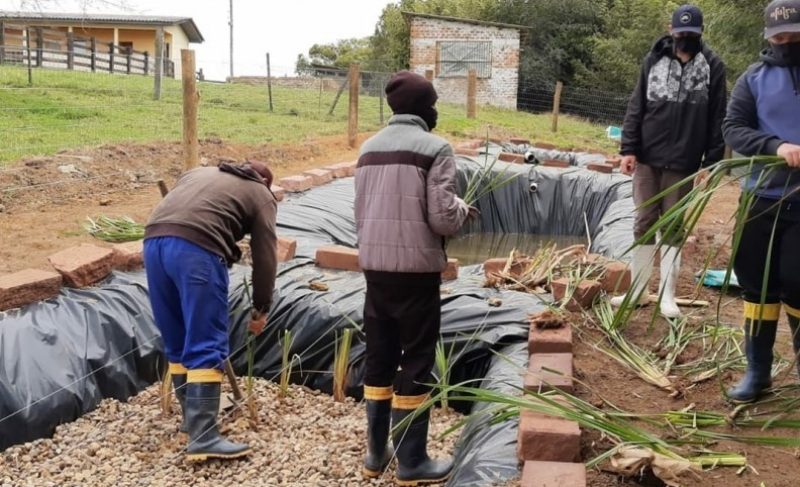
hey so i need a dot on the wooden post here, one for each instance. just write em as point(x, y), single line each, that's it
point(191, 155)
point(28, 48)
point(39, 46)
point(93, 60)
point(269, 83)
point(429, 74)
point(380, 99)
point(2, 42)
point(352, 126)
point(111, 49)
point(472, 92)
point(129, 61)
point(146, 63)
point(70, 50)
point(159, 60)
point(557, 104)
point(162, 187)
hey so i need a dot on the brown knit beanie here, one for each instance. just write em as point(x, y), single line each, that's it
point(412, 94)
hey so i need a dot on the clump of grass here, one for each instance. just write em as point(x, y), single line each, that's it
point(286, 363)
point(115, 230)
point(443, 366)
point(486, 180)
point(341, 364)
point(166, 392)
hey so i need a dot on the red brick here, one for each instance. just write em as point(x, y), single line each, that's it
point(279, 192)
point(287, 248)
point(553, 474)
point(337, 257)
point(520, 141)
point(555, 163)
point(296, 184)
point(493, 267)
point(83, 265)
point(600, 167)
point(616, 277)
point(513, 158)
point(27, 286)
point(583, 296)
point(128, 256)
point(451, 271)
point(319, 176)
point(540, 377)
point(545, 146)
point(547, 438)
point(550, 340)
point(343, 169)
point(464, 151)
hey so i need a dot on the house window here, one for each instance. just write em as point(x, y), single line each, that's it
point(456, 58)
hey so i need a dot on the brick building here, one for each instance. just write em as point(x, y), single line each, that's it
point(449, 47)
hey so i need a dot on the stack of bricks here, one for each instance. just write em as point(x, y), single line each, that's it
point(548, 447)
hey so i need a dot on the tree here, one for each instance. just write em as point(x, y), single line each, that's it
point(339, 54)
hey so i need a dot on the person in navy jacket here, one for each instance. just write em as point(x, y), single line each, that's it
point(764, 119)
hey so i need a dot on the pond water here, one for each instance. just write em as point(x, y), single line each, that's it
point(475, 248)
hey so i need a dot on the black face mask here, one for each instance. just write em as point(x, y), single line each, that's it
point(430, 115)
point(788, 54)
point(690, 45)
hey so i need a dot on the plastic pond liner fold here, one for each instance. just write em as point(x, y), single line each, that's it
point(60, 358)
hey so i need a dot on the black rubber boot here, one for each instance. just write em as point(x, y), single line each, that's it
point(414, 466)
point(379, 453)
point(179, 385)
point(205, 442)
point(794, 324)
point(758, 344)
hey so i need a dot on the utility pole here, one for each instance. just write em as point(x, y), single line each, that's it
point(230, 23)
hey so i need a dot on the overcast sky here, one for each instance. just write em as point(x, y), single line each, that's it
point(284, 28)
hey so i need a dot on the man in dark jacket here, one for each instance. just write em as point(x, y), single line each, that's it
point(764, 119)
point(672, 129)
point(190, 241)
point(406, 204)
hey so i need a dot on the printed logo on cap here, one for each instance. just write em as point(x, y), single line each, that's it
point(686, 17)
point(783, 13)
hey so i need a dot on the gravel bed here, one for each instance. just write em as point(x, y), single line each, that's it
point(304, 439)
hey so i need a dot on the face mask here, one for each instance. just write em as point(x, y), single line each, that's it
point(690, 45)
point(430, 115)
point(788, 54)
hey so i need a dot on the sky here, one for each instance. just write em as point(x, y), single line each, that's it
point(284, 28)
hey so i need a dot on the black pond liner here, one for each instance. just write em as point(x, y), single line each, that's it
point(60, 358)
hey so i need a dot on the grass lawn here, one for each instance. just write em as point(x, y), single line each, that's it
point(72, 109)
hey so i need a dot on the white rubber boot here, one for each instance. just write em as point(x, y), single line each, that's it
point(670, 267)
point(641, 270)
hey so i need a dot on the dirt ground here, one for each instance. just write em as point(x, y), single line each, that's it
point(44, 201)
point(605, 379)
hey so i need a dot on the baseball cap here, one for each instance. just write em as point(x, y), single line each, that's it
point(687, 18)
point(782, 16)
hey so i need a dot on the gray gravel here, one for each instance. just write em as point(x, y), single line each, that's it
point(305, 439)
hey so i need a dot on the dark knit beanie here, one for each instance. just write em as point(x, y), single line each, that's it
point(412, 94)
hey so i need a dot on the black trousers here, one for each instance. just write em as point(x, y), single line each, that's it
point(402, 316)
point(750, 262)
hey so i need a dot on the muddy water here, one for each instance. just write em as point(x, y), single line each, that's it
point(477, 247)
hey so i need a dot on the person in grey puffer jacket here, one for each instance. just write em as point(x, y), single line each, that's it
point(406, 204)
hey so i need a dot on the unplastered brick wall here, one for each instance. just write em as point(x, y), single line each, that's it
point(499, 90)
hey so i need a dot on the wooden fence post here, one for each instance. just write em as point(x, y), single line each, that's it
point(429, 74)
point(70, 50)
point(146, 63)
point(93, 60)
point(472, 92)
point(381, 93)
point(39, 46)
point(28, 49)
point(159, 60)
point(2, 42)
point(111, 49)
point(191, 154)
point(557, 104)
point(352, 125)
point(269, 83)
point(129, 61)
